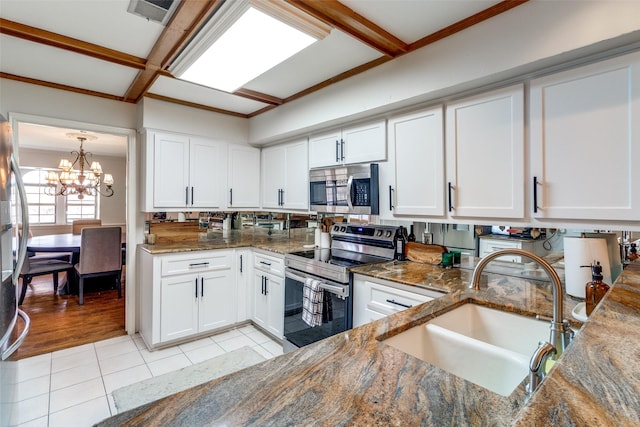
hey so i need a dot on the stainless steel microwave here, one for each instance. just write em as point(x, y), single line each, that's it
point(345, 189)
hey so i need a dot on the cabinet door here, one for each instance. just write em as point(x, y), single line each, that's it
point(485, 155)
point(273, 176)
point(170, 170)
point(296, 188)
point(216, 300)
point(275, 315)
point(179, 307)
point(244, 285)
point(585, 142)
point(260, 300)
point(418, 145)
point(325, 149)
point(207, 175)
point(244, 177)
point(365, 143)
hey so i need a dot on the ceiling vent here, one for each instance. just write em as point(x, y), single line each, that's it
point(154, 10)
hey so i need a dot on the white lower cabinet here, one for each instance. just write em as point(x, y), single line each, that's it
point(183, 295)
point(268, 293)
point(374, 299)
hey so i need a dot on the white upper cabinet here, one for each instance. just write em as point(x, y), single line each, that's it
point(206, 161)
point(285, 176)
point(485, 155)
point(355, 144)
point(244, 177)
point(412, 181)
point(585, 142)
point(182, 170)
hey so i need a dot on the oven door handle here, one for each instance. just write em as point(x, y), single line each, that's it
point(335, 289)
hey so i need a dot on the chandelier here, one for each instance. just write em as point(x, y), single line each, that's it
point(83, 182)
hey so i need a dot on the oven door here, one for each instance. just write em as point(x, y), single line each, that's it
point(337, 315)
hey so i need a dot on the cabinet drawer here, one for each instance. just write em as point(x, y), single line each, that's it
point(193, 263)
point(387, 300)
point(268, 264)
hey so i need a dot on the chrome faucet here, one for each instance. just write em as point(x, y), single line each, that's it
point(537, 366)
point(561, 333)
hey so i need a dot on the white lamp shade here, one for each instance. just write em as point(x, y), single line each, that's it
point(65, 165)
point(108, 179)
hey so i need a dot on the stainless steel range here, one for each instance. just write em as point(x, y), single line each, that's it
point(351, 245)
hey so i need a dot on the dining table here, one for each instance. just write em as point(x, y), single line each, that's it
point(67, 242)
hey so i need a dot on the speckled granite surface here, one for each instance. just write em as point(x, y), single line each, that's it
point(279, 241)
point(354, 379)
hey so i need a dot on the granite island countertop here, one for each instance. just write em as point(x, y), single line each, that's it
point(354, 379)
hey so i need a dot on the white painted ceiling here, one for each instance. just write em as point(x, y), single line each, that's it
point(107, 24)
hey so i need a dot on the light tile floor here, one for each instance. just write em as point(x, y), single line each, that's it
point(73, 387)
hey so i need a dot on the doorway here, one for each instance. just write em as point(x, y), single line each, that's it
point(23, 125)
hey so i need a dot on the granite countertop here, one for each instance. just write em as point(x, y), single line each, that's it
point(280, 242)
point(354, 379)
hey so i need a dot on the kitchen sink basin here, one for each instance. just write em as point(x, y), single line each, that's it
point(488, 347)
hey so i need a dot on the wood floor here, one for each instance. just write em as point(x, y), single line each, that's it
point(59, 322)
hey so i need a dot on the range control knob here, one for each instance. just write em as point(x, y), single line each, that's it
point(336, 228)
point(343, 228)
point(379, 233)
point(387, 234)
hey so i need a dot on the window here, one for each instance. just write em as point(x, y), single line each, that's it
point(42, 207)
point(48, 209)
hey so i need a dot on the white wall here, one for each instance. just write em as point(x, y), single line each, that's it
point(18, 97)
point(155, 114)
point(112, 209)
point(530, 37)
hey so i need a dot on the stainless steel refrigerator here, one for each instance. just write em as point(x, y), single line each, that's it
point(13, 250)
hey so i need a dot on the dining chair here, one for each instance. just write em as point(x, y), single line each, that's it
point(32, 269)
point(100, 255)
point(79, 224)
point(45, 256)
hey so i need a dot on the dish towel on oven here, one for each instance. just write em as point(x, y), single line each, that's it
point(312, 299)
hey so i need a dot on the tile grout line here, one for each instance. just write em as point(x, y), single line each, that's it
point(182, 352)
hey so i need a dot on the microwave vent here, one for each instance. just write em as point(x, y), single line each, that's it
point(154, 10)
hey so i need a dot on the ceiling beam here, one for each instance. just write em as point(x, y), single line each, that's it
point(183, 25)
point(465, 23)
point(258, 96)
point(67, 88)
point(194, 105)
point(345, 19)
point(48, 38)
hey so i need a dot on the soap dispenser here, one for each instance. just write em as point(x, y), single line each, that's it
point(596, 289)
